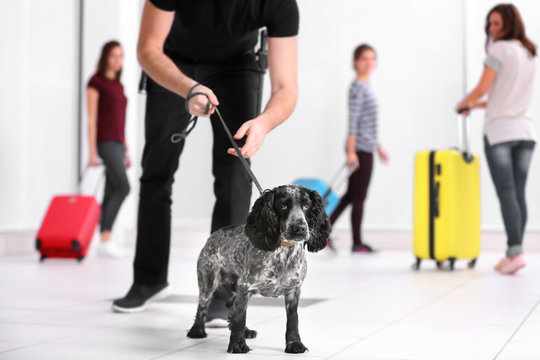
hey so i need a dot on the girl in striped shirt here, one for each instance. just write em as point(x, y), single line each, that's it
point(361, 143)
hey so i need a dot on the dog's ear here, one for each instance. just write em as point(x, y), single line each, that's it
point(319, 223)
point(262, 227)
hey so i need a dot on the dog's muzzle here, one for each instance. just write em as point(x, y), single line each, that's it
point(297, 231)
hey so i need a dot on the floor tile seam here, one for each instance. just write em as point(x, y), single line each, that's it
point(302, 356)
point(383, 327)
point(207, 340)
point(61, 325)
point(54, 340)
point(351, 292)
point(90, 330)
point(517, 329)
point(12, 321)
point(369, 358)
point(43, 310)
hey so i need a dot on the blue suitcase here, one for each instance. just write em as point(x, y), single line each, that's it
point(331, 199)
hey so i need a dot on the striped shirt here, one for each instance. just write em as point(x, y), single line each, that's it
point(363, 111)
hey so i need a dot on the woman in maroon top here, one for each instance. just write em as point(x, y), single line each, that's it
point(106, 105)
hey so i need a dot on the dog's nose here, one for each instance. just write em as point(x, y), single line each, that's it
point(298, 229)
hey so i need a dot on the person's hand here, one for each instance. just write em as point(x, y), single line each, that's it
point(94, 159)
point(464, 107)
point(128, 161)
point(255, 130)
point(352, 161)
point(383, 155)
point(197, 104)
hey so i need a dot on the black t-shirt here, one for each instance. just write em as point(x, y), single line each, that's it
point(218, 30)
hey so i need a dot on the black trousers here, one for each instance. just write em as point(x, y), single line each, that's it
point(356, 194)
point(236, 84)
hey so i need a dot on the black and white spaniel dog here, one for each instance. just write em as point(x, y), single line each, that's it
point(265, 256)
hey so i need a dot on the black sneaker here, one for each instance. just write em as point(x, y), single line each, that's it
point(139, 297)
point(363, 249)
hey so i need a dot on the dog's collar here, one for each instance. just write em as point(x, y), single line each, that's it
point(287, 243)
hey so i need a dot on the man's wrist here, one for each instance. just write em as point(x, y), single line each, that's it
point(266, 122)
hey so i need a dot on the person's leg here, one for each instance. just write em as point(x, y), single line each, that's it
point(236, 85)
point(105, 234)
point(344, 202)
point(117, 187)
point(165, 115)
point(521, 157)
point(501, 167)
point(359, 194)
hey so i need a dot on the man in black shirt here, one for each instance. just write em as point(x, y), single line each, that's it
point(183, 43)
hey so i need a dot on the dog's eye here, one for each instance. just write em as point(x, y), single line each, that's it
point(283, 206)
point(305, 206)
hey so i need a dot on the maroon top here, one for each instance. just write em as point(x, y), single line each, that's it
point(111, 116)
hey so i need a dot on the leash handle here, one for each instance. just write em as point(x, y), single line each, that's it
point(177, 137)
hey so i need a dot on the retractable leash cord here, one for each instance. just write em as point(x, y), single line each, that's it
point(177, 137)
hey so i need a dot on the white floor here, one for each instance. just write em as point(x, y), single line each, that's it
point(363, 307)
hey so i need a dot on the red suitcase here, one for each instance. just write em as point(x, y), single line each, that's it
point(68, 227)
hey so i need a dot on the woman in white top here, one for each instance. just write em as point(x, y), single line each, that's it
point(509, 134)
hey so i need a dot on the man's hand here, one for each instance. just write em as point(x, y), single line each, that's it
point(255, 130)
point(197, 104)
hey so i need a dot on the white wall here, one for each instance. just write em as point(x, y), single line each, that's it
point(106, 20)
point(38, 107)
point(419, 80)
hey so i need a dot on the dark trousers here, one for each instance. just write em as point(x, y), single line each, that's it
point(356, 194)
point(509, 165)
point(236, 85)
point(117, 187)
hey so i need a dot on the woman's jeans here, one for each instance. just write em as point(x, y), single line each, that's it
point(509, 165)
point(113, 154)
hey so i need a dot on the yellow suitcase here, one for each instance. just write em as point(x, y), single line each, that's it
point(446, 207)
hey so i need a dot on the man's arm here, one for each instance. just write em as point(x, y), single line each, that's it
point(155, 26)
point(283, 66)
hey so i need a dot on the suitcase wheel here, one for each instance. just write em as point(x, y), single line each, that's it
point(451, 263)
point(472, 263)
point(416, 265)
point(448, 267)
point(41, 258)
point(80, 258)
point(75, 246)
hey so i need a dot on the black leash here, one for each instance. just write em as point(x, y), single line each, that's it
point(177, 137)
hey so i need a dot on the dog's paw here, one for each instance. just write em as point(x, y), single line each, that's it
point(196, 333)
point(238, 348)
point(295, 347)
point(250, 334)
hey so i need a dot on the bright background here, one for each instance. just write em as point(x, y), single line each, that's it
point(429, 51)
